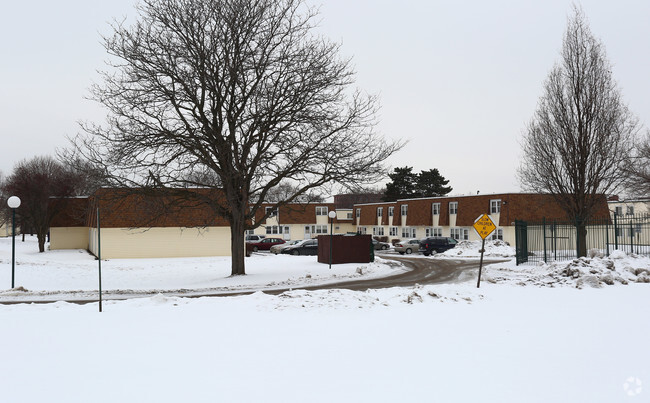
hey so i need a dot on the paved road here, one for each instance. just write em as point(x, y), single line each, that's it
point(421, 271)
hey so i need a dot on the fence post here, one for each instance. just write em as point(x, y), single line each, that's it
point(607, 235)
point(575, 224)
point(615, 230)
point(544, 234)
point(554, 240)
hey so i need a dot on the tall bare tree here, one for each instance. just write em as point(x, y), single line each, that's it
point(581, 135)
point(638, 179)
point(239, 88)
point(35, 181)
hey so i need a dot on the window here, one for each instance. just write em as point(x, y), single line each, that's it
point(249, 232)
point(270, 211)
point(437, 231)
point(380, 211)
point(435, 208)
point(277, 229)
point(495, 206)
point(460, 234)
point(453, 207)
point(378, 231)
point(619, 210)
point(404, 209)
point(358, 212)
point(408, 232)
point(392, 231)
point(361, 230)
point(629, 210)
point(321, 210)
point(497, 234)
point(391, 211)
point(319, 229)
point(349, 216)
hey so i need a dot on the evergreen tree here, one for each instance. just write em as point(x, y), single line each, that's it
point(406, 184)
point(402, 185)
point(431, 183)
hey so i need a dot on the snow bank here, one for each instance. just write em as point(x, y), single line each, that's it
point(496, 248)
point(595, 272)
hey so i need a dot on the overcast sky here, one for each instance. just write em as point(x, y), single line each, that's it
point(458, 79)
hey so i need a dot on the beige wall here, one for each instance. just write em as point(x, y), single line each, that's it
point(5, 229)
point(69, 238)
point(161, 242)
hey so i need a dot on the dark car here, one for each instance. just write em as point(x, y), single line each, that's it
point(264, 244)
point(307, 247)
point(380, 245)
point(436, 244)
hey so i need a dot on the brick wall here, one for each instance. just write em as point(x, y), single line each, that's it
point(297, 213)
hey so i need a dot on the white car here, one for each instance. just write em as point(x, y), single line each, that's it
point(408, 246)
point(276, 249)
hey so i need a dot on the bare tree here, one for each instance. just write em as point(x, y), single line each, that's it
point(88, 177)
point(581, 135)
point(638, 172)
point(35, 181)
point(286, 190)
point(242, 89)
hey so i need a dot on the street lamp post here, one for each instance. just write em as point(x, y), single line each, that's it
point(13, 202)
point(331, 215)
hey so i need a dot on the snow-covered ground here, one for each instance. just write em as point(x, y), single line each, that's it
point(529, 334)
point(74, 274)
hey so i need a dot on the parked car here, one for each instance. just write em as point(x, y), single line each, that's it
point(380, 245)
point(409, 246)
point(254, 237)
point(264, 244)
point(275, 249)
point(436, 244)
point(306, 247)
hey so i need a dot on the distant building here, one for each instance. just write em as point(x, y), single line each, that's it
point(453, 216)
point(348, 200)
point(139, 225)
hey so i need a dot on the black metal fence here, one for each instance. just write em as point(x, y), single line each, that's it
point(559, 240)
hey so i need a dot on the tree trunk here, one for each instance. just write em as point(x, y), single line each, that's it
point(581, 238)
point(41, 241)
point(237, 244)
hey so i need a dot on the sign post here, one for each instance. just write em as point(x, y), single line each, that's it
point(484, 227)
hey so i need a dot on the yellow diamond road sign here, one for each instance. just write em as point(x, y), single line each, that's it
point(484, 226)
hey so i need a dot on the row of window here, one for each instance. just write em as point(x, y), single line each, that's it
point(320, 210)
point(495, 208)
point(284, 229)
point(459, 234)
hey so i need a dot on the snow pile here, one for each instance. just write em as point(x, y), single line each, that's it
point(339, 299)
point(495, 248)
point(596, 271)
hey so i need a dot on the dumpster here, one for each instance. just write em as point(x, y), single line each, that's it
point(345, 248)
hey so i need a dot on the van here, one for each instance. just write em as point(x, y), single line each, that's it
point(436, 244)
point(254, 238)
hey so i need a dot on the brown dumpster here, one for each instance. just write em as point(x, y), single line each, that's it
point(345, 248)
